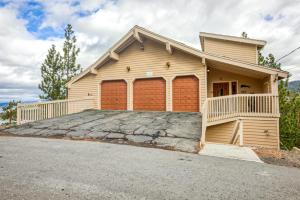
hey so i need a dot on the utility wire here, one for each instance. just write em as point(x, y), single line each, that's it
point(288, 54)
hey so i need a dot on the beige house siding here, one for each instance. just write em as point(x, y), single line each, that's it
point(220, 133)
point(147, 63)
point(256, 132)
point(236, 50)
point(214, 75)
point(83, 87)
point(261, 132)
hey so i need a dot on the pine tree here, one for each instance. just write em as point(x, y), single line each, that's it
point(244, 35)
point(52, 76)
point(10, 111)
point(268, 61)
point(70, 53)
point(57, 70)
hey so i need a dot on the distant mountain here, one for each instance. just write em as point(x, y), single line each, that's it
point(294, 85)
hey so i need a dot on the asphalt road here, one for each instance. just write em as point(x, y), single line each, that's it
point(37, 168)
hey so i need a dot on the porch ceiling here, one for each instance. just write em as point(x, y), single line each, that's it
point(235, 69)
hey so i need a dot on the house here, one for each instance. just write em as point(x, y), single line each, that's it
point(145, 71)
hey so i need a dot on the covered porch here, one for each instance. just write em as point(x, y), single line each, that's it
point(226, 79)
point(233, 91)
point(238, 99)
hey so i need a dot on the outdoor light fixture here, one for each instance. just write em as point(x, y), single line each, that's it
point(276, 78)
point(128, 68)
point(142, 47)
point(168, 64)
point(266, 132)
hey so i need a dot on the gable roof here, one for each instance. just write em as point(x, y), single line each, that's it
point(258, 43)
point(138, 34)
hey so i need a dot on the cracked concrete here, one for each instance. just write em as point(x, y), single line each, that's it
point(178, 131)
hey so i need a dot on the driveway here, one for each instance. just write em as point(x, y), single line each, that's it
point(172, 130)
point(40, 168)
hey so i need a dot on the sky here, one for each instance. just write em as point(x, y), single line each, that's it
point(29, 28)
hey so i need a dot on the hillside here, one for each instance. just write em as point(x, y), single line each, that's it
point(294, 85)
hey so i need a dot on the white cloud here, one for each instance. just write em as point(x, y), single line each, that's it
point(21, 53)
point(20, 57)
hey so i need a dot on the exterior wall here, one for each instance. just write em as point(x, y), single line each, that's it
point(261, 132)
point(214, 75)
point(83, 88)
point(236, 50)
point(150, 62)
point(220, 133)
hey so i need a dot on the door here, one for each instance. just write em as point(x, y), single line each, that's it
point(185, 94)
point(149, 94)
point(220, 89)
point(114, 95)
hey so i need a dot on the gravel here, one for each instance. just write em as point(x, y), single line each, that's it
point(40, 168)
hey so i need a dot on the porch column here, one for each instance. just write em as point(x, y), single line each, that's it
point(274, 84)
point(203, 85)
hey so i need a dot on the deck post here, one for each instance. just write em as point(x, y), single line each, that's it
point(18, 114)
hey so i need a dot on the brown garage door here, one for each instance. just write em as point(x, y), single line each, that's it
point(114, 95)
point(149, 94)
point(186, 94)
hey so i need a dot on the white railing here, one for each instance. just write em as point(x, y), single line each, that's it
point(50, 109)
point(242, 105)
point(217, 109)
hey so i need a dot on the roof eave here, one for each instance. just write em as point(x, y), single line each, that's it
point(259, 43)
point(136, 30)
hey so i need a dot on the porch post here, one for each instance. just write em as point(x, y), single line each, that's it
point(18, 114)
point(203, 94)
point(274, 84)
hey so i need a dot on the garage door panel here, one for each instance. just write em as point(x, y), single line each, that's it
point(149, 94)
point(186, 94)
point(114, 95)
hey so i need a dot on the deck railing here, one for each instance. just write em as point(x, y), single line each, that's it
point(242, 105)
point(50, 109)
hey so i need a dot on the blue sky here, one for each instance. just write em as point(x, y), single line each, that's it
point(29, 28)
point(33, 13)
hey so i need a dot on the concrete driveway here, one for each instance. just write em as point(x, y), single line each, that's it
point(172, 130)
point(39, 168)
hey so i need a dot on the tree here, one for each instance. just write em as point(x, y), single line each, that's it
point(289, 123)
point(57, 70)
point(244, 35)
point(268, 61)
point(70, 67)
point(10, 111)
point(52, 76)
